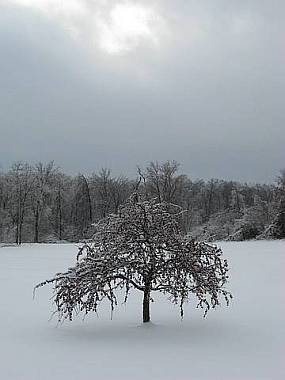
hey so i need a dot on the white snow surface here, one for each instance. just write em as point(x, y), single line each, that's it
point(245, 341)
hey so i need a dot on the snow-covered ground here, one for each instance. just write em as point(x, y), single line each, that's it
point(245, 341)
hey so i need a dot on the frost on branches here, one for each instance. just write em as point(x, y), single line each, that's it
point(143, 248)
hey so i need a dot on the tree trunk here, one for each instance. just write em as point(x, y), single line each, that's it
point(20, 232)
point(36, 226)
point(146, 306)
point(60, 226)
point(59, 214)
point(17, 233)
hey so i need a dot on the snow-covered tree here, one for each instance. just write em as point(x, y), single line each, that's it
point(143, 248)
point(162, 180)
point(277, 229)
point(43, 176)
point(82, 210)
point(20, 181)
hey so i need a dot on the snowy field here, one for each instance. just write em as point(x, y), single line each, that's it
point(245, 341)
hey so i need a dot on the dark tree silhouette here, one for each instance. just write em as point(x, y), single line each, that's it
point(143, 248)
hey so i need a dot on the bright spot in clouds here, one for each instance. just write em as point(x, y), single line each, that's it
point(116, 27)
point(127, 25)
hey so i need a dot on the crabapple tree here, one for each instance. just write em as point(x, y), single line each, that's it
point(142, 248)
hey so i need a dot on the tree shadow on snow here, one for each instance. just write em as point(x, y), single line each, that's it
point(191, 331)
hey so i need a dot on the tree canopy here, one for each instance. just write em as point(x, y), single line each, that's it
point(141, 247)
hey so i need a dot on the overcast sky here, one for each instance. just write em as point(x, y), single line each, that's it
point(106, 83)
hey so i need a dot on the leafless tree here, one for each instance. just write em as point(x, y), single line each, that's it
point(162, 180)
point(82, 207)
point(101, 184)
point(43, 175)
point(20, 182)
point(41, 203)
point(62, 206)
point(279, 221)
point(143, 248)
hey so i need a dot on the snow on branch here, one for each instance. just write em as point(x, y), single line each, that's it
point(143, 248)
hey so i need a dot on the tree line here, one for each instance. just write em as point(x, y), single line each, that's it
point(40, 203)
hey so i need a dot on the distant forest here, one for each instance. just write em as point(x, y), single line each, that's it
point(40, 203)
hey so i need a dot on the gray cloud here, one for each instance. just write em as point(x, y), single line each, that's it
point(210, 95)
